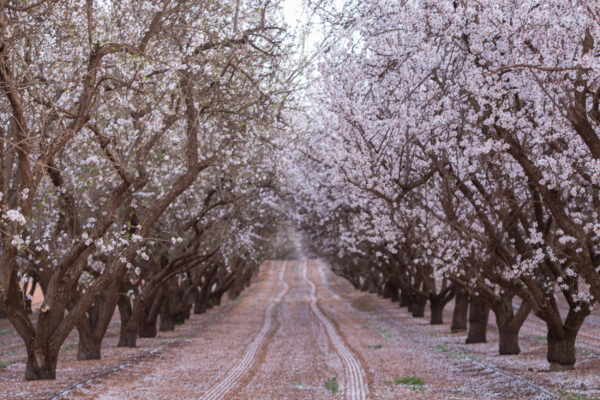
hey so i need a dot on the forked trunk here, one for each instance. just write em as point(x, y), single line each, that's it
point(509, 323)
point(92, 325)
point(147, 324)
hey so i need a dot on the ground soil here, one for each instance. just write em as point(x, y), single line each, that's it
point(301, 332)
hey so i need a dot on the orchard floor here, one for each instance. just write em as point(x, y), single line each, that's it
point(297, 329)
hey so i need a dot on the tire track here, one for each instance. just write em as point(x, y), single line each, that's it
point(235, 374)
point(357, 390)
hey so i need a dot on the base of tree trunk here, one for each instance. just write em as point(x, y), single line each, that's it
point(418, 308)
point(394, 295)
point(461, 310)
point(561, 352)
point(372, 287)
point(147, 329)
point(166, 324)
point(437, 312)
point(127, 340)
point(556, 367)
point(404, 299)
point(40, 366)
point(509, 341)
point(89, 348)
point(199, 308)
point(479, 312)
point(385, 292)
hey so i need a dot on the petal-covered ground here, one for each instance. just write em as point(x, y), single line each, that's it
point(301, 332)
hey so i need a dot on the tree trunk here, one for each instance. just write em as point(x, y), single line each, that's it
point(394, 295)
point(405, 299)
point(167, 321)
point(127, 337)
point(89, 347)
point(385, 291)
point(182, 315)
point(199, 302)
point(561, 350)
point(92, 326)
point(41, 364)
point(509, 323)
point(147, 329)
point(437, 308)
point(215, 299)
point(509, 339)
point(147, 324)
point(417, 308)
point(372, 286)
point(479, 312)
point(365, 285)
point(461, 308)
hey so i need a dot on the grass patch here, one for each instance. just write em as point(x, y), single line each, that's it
point(332, 385)
point(441, 347)
point(385, 333)
point(411, 381)
point(590, 353)
point(6, 363)
point(540, 338)
point(576, 396)
point(456, 356)
point(68, 347)
point(7, 332)
point(375, 346)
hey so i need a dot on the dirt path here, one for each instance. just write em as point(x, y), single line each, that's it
point(301, 332)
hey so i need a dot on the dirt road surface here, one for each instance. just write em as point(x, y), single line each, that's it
point(300, 332)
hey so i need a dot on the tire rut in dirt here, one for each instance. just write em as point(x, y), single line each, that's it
point(356, 388)
point(233, 377)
